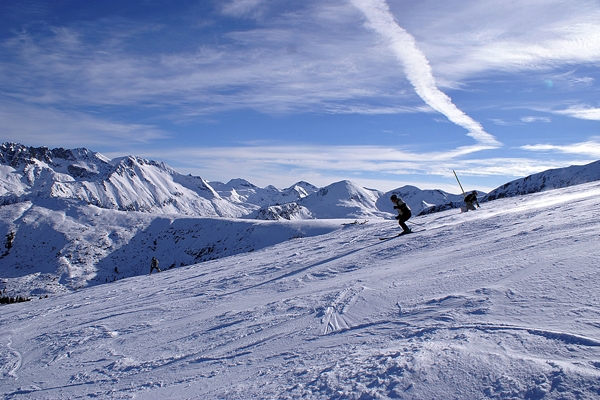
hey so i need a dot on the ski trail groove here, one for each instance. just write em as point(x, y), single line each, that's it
point(335, 316)
point(298, 271)
point(19, 361)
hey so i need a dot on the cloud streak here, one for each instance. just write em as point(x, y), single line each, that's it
point(312, 60)
point(378, 167)
point(581, 112)
point(242, 8)
point(246, 69)
point(46, 126)
point(417, 68)
point(530, 119)
point(467, 39)
point(590, 148)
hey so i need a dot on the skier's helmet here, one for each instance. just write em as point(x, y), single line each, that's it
point(394, 197)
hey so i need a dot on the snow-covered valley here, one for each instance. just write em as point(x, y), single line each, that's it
point(498, 303)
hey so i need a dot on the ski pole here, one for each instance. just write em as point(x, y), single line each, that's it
point(461, 188)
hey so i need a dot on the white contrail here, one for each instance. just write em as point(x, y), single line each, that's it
point(417, 68)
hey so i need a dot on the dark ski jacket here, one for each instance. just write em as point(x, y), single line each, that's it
point(402, 207)
point(471, 198)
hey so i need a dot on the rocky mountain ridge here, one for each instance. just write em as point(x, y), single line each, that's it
point(132, 183)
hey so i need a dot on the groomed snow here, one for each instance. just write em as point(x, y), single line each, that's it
point(501, 302)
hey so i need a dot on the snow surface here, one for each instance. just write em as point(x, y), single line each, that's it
point(499, 303)
point(61, 245)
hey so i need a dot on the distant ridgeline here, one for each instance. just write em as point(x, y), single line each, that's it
point(128, 184)
point(547, 180)
point(135, 184)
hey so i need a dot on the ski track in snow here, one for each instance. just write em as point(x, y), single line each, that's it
point(10, 361)
point(499, 303)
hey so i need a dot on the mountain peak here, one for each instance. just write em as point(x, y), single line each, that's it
point(240, 183)
point(343, 199)
point(14, 154)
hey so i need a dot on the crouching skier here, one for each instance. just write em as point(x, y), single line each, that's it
point(470, 199)
point(404, 213)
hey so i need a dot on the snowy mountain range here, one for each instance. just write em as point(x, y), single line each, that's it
point(135, 184)
point(126, 184)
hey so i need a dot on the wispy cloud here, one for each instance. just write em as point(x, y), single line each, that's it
point(509, 36)
point(47, 126)
point(530, 119)
point(590, 148)
point(287, 64)
point(378, 167)
point(569, 80)
point(581, 112)
point(310, 60)
point(417, 68)
point(501, 122)
point(243, 8)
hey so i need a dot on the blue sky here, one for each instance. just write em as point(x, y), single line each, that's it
point(383, 93)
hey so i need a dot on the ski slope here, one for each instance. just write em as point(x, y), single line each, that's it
point(498, 303)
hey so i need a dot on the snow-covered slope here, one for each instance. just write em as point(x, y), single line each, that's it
point(550, 179)
point(500, 303)
point(60, 245)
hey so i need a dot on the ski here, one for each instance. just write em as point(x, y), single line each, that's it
point(401, 234)
point(390, 237)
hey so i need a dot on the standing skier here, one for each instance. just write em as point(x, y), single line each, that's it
point(154, 265)
point(404, 212)
point(470, 199)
